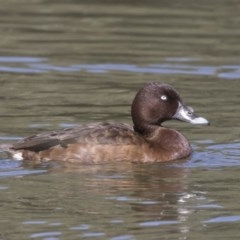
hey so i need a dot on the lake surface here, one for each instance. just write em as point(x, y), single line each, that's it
point(68, 62)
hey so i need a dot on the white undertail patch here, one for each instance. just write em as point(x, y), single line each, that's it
point(17, 156)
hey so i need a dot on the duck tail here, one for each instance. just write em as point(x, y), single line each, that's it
point(7, 148)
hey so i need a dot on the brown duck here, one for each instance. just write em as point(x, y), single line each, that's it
point(146, 141)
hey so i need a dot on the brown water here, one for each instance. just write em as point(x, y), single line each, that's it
point(69, 62)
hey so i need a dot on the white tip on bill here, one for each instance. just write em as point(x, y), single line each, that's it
point(199, 120)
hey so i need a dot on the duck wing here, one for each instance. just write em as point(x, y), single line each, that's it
point(98, 133)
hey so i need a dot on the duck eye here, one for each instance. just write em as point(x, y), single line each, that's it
point(164, 97)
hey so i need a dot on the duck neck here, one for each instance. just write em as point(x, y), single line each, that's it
point(165, 140)
point(146, 130)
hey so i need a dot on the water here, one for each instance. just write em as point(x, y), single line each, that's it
point(64, 63)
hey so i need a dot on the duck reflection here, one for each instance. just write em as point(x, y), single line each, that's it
point(154, 192)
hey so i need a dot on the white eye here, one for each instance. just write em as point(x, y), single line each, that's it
point(164, 97)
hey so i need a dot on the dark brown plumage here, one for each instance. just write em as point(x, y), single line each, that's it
point(146, 141)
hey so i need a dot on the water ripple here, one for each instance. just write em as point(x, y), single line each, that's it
point(224, 219)
point(214, 156)
point(157, 223)
point(181, 65)
point(45, 234)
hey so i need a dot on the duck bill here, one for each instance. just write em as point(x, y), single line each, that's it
point(186, 114)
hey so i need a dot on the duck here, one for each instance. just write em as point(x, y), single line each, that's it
point(144, 141)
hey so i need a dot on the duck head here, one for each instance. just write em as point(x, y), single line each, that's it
point(157, 102)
